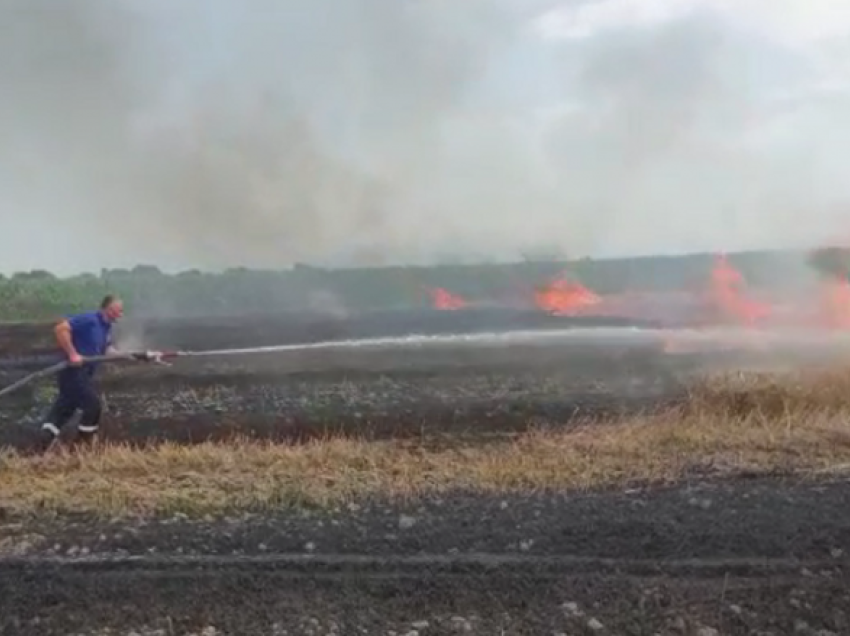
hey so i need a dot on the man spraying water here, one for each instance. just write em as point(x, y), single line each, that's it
point(79, 337)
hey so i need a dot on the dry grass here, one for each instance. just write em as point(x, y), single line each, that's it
point(752, 423)
point(797, 394)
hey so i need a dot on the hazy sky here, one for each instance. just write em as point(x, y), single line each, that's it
point(214, 133)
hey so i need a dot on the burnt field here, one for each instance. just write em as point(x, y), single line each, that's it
point(381, 392)
point(580, 483)
point(477, 382)
point(753, 557)
point(388, 374)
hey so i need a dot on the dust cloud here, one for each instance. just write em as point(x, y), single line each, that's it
point(216, 134)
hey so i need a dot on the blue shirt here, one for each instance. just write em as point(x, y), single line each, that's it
point(91, 333)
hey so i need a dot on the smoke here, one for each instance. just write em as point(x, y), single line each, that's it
point(214, 134)
point(682, 141)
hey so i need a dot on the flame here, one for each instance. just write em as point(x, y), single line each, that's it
point(565, 297)
point(444, 299)
point(727, 295)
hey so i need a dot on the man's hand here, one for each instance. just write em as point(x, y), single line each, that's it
point(75, 359)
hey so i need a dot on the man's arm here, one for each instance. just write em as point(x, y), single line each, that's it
point(64, 338)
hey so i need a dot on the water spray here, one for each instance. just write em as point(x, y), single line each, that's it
point(689, 339)
point(502, 338)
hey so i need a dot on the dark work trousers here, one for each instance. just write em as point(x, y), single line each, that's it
point(76, 391)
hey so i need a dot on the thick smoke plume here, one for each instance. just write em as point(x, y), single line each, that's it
point(215, 134)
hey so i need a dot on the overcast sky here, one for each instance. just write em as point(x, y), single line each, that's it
point(215, 133)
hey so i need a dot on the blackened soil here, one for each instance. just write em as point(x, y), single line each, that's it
point(495, 602)
point(368, 393)
point(739, 557)
point(733, 518)
point(460, 389)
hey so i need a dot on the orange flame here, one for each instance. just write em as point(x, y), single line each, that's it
point(727, 294)
point(444, 299)
point(565, 297)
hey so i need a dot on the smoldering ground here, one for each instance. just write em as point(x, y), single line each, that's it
point(210, 134)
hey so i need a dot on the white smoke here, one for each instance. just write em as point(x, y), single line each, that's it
point(214, 134)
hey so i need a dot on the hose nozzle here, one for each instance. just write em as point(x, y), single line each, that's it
point(156, 357)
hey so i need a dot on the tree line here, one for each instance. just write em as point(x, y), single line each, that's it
point(41, 295)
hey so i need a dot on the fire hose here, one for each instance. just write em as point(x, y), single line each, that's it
point(157, 357)
point(160, 357)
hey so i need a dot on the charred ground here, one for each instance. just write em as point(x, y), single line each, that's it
point(743, 530)
point(759, 557)
point(377, 390)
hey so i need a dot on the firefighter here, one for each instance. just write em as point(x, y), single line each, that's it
point(81, 336)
